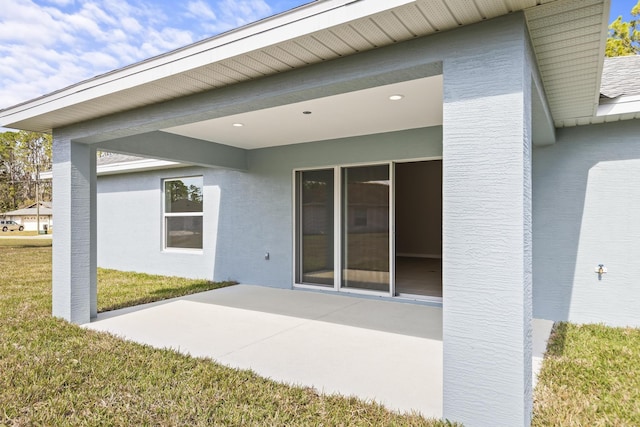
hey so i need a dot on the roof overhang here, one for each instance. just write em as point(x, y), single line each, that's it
point(620, 90)
point(567, 36)
point(127, 166)
point(621, 107)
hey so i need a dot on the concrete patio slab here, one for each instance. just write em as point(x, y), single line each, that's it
point(385, 351)
point(541, 333)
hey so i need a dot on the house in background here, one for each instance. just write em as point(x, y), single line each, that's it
point(506, 173)
point(28, 216)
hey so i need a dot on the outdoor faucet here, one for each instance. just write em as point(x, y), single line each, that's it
point(601, 269)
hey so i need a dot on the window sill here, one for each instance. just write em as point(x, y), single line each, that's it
point(183, 251)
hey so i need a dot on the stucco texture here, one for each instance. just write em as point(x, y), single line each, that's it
point(586, 199)
point(246, 214)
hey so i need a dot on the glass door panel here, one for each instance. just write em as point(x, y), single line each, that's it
point(418, 237)
point(315, 228)
point(365, 227)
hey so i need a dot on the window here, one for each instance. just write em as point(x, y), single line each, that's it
point(183, 213)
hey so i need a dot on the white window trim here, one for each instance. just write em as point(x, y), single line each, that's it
point(166, 215)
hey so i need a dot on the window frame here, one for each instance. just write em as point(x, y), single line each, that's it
point(166, 215)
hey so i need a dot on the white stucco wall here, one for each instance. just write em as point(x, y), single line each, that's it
point(130, 225)
point(245, 213)
point(586, 207)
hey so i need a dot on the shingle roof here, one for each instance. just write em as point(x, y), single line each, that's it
point(45, 209)
point(621, 76)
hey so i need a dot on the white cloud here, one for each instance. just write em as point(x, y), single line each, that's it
point(235, 13)
point(100, 60)
point(200, 9)
point(46, 45)
point(157, 42)
point(61, 2)
point(131, 25)
point(244, 11)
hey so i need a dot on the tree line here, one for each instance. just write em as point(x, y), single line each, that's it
point(23, 155)
point(624, 36)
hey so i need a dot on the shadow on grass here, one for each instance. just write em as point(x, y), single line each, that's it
point(166, 293)
point(171, 292)
point(25, 243)
point(557, 340)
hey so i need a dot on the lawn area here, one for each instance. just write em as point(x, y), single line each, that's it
point(590, 377)
point(20, 233)
point(119, 289)
point(13, 242)
point(56, 373)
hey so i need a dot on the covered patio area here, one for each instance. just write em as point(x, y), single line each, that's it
point(390, 352)
point(334, 96)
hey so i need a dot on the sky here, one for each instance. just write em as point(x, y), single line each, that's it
point(46, 45)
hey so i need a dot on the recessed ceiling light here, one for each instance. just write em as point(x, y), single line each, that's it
point(396, 97)
point(306, 112)
point(238, 125)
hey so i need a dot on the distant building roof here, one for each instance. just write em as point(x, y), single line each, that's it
point(114, 163)
point(116, 158)
point(620, 76)
point(45, 209)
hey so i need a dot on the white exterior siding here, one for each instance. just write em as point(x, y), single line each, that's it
point(245, 213)
point(130, 225)
point(586, 204)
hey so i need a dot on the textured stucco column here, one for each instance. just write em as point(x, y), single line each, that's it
point(74, 247)
point(487, 237)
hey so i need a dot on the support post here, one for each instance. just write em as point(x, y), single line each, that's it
point(74, 249)
point(487, 304)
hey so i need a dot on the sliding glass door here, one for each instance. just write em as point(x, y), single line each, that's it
point(371, 228)
point(365, 227)
point(355, 214)
point(315, 227)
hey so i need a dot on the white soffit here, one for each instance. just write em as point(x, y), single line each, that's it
point(568, 38)
point(349, 114)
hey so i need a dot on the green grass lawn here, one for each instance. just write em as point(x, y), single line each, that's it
point(56, 373)
point(590, 377)
point(118, 289)
point(12, 242)
point(20, 233)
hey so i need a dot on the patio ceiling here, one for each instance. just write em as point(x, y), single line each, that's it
point(567, 35)
point(355, 113)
